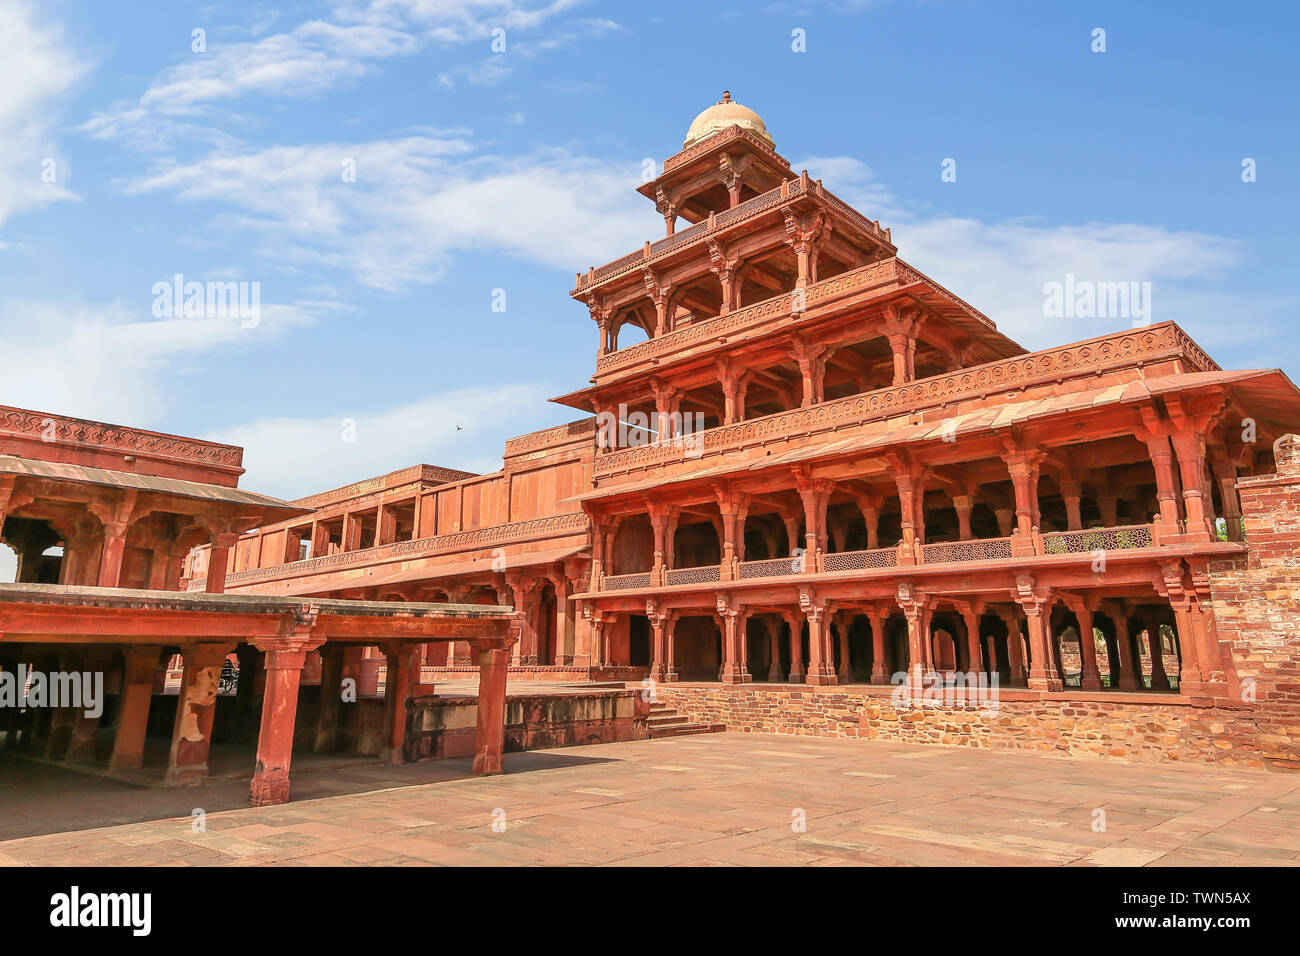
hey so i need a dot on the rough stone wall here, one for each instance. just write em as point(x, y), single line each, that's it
point(1106, 725)
point(1257, 604)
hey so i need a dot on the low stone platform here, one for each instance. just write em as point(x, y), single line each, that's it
point(730, 799)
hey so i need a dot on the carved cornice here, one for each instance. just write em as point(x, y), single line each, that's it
point(427, 474)
point(550, 437)
point(61, 430)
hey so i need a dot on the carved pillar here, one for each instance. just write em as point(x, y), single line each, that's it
point(133, 708)
point(1090, 676)
point(774, 637)
point(1072, 493)
point(1162, 460)
point(1190, 447)
point(821, 653)
point(815, 494)
point(917, 608)
point(733, 617)
point(1130, 673)
point(964, 505)
point(1036, 602)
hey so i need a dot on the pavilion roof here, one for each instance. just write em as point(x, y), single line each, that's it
point(273, 508)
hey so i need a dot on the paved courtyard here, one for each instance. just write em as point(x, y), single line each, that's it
point(720, 799)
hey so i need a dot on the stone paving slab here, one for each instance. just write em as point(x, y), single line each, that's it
point(724, 800)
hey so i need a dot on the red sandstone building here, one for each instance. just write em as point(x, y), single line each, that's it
point(881, 483)
point(101, 517)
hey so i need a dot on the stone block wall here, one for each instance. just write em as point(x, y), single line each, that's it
point(444, 726)
point(1257, 604)
point(1140, 726)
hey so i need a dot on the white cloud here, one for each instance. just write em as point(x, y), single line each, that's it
point(313, 57)
point(1000, 268)
point(415, 202)
point(106, 362)
point(36, 69)
point(293, 457)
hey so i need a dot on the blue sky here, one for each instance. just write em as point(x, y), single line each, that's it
point(479, 170)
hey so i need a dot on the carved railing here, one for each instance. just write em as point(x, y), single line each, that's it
point(976, 549)
point(705, 575)
point(621, 582)
point(1122, 538)
point(771, 568)
point(549, 437)
point(429, 474)
point(757, 206)
point(860, 560)
point(1080, 358)
point(551, 526)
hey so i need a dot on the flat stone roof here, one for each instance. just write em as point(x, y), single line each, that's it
point(198, 601)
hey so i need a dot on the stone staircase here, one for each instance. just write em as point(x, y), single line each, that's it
point(666, 722)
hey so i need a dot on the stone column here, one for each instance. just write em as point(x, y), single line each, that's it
point(403, 673)
point(330, 707)
point(734, 652)
point(774, 636)
point(1162, 458)
point(1225, 472)
point(963, 504)
point(85, 728)
point(971, 621)
point(843, 624)
point(110, 561)
point(284, 662)
point(795, 621)
point(1190, 446)
point(1090, 676)
point(187, 762)
point(1130, 677)
point(133, 708)
point(916, 609)
point(489, 734)
point(821, 654)
point(879, 658)
point(1037, 603)
point(1072, 493)
point(218, 561)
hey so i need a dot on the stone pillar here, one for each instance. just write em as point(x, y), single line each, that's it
point(1090, 676)
point(1130, 677)
point(218, 561)
point(917, 610)
point(110, 561)
point(843, 624)
point(879, 658)
point(83, 744)
point(971, 620)
point(402, 676)
point(795, 621)
point(821, 654)
point(279, 712)
point(774, 637)
point(1072, 493)
point(330, 707)
point(1225, 472)
point(1190, 446)
point(489, 735)
point(133, 708)
point(1159, 679)
point(187, 763)
point(963, 504)
point(1162, 460)
point(733, 618)
point(1023, 467)
point(1037, 603)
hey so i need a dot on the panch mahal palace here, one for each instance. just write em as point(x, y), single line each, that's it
point(883, 484)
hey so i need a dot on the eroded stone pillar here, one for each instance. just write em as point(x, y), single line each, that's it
point(187, 763)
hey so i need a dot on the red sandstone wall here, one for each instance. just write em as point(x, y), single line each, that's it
point(1257, 604)
point(1105, 725)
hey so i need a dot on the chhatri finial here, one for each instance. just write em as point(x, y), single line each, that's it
point(726, 96)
